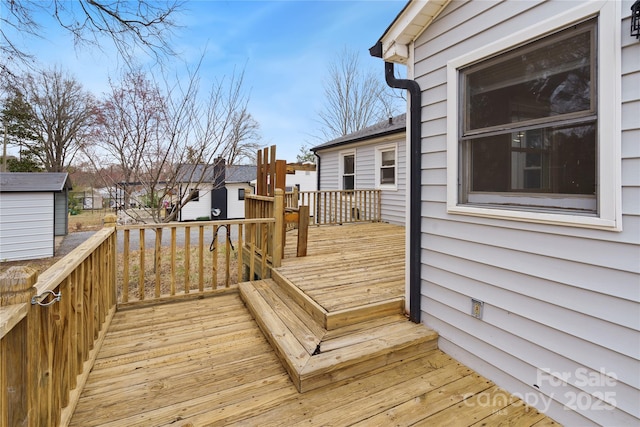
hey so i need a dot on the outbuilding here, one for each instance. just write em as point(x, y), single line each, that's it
point(33, 211)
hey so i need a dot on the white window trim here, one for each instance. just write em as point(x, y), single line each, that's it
point(378, 166)
point(609, 113)
point(341, 156)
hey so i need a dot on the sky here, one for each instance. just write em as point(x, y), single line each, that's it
point(284, 47)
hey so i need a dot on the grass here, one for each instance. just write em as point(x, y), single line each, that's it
point(214, 274)
point(88, 220)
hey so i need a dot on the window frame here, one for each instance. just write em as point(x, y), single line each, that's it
point(196, 194)
point(378, 167)
point(608, 136)
point(241, 193)
point(342, 174)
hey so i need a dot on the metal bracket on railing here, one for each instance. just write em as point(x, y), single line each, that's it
point(36, 298)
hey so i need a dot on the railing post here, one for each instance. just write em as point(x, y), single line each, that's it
point(19, 349)
point(296, 195)
point(303, 230)
point(111, 221)
point(278, 228)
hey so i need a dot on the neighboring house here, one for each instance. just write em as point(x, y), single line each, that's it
point(217, 192)
point(525, 182)
point(301, 175)
point(33, 211)
point(373, 157)
point(237, 183)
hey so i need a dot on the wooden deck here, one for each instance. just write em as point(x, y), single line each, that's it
point(348, 265)
point(205, 362)
point(324, 342)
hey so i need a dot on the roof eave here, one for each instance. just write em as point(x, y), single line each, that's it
point(359, 139)
point(408, 25)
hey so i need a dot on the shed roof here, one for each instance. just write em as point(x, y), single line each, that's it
point(34, 181)
point(396, 124)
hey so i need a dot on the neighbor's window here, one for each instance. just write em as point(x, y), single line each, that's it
point(348, 171)
point(195, 194)
point(240, 193)
point(529, 124)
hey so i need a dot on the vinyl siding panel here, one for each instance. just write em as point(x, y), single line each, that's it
point(235, 207)
point(329, 170)
point(26, 226)
point(555, 297)
point(201, 207)
point(394, 204)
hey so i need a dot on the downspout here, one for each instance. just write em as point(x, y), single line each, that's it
point(318, 159)
point(414, 185)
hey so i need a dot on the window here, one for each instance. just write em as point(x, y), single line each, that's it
point(348, 167)
point(195, 194)
point(386, 166)
point(529, 124)
point(532, 140)
point(240, 193)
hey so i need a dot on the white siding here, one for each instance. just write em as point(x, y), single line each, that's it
point(235, 207)
point(199, 208)
point(26, 226)
point(559, 298)
point(307, 180)
point(393, 200)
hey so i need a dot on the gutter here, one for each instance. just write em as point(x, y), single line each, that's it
point(415, 183)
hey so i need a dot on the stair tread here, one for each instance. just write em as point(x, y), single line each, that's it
point(344, 352)
point(297, 321)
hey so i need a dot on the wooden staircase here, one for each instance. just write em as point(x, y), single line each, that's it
point(317, 347)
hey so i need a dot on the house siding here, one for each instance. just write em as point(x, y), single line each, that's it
point(200, 208)
point(26, 226)
point(555, 297)
point(235, 207)
point(393, 201)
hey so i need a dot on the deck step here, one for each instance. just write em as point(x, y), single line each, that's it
point(315, 356)
point(339, 318)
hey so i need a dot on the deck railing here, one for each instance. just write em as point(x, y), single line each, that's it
point(159, 261)
point(330, 207)
point(50, 329)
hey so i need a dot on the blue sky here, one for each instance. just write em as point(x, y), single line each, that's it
point(284, 47)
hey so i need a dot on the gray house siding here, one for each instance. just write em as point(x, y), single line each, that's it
point(61, 216)
point(393, 205)
point(26, 226)
point(556, 298)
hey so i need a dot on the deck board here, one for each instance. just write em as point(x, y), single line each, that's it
point(349, 265)
point(227, 373)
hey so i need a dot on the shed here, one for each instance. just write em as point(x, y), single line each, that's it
point(33, 210)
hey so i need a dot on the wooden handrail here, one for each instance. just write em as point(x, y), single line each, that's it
point(330, 207)
point(48, 344)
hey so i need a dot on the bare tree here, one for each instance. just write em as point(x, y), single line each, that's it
point(161, 139)
point(354, 98)
point(60, 116)
point(131, 26)
point(131, 125)
point(244, 139)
